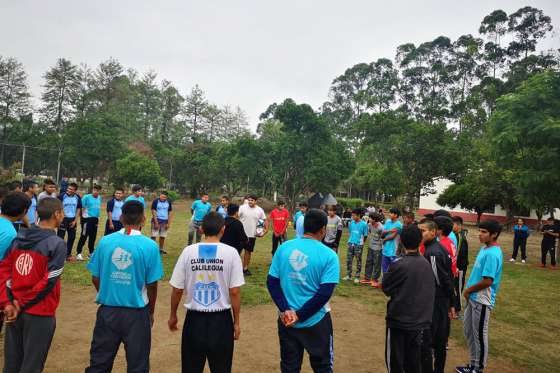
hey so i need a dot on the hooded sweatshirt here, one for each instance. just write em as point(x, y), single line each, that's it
point(440, 261)
point(31, 270)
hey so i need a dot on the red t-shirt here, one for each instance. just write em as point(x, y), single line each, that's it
point(452, 250)
point(279, 220)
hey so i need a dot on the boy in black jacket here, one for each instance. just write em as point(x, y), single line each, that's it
point(462, 260)
point(406, 284)
point(234, 234)
point(436, 337)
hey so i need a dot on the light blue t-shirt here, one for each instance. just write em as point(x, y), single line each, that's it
point(200, 209)
point(125, 264)
point(488, 263)
point(302, 265)
point(7, 235)
point(296, 216)
point(32, 211)
point(222, 211)
point(92, 205)
point(453, 238)
point(390, 246)
point(300, 231)
point(115, 206)
point(140, 199)
point(70, 204)
point(357, 232)
point(162, 209)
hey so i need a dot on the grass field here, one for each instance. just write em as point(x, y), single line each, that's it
point(524, 328)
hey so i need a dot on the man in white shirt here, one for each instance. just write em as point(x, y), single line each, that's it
point(255, 225)
point(210, 274)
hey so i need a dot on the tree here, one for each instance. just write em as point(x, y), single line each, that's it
point(194, 105)
point(494, 27)
point(62, 86)
point(149, 103)
point(171, 102)
point(136, 168)
point(525, 136)
point(14, 96)
point(527, 25)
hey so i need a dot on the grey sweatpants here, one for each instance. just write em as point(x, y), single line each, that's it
point(373, 264)
point(476, 321)
point(27, 343)
point(194, 228)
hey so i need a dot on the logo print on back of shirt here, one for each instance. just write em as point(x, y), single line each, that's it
point(206, 293)
point(298, 260)
point(24, 263)
point(122, 259)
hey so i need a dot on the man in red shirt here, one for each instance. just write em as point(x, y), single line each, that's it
point(279, 218)
point(445, 226)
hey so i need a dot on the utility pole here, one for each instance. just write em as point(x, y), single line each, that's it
point(58, 165)
point(23, 162)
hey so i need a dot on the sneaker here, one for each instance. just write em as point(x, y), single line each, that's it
point(79, 258)
point(365, 282)
point(523, 261)
point(246, 272)
point(356, 280)
point(512, 260)
point(346, 278)
point(163, 252)
point(467, 369)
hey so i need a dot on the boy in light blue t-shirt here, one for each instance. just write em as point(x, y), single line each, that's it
point(391, 238)
point(480, 293)
point(357, 235)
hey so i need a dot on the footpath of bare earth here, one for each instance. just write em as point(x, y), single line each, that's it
point(359, 338)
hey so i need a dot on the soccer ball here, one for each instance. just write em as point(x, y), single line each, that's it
point(260, 228)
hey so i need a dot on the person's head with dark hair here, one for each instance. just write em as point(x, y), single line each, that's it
point(252, 200)
point(315, 223)
point(357, 214)
point(375, 218)
point(15, 186)
point(30, 187)
point(213, 225)
point(204, 197)
point(95, 190)
point(163, 196)
point(15, 206)
point(303, 207)
point(49, 186)
point(429, 216)
point(411, 237)
point(442, 212)
point(444, 224)
point(489, 231)
point(280, 203)
point(224, 201)
point(429, 230)
point(232, 209)
point(133, 214)
point(137, 190)
point(408, 218)
point(549, 220)
point(72, 188)
point(394, 213)
point(119, 194)
point(50, 212)
point(457, 224)
point(331, 211)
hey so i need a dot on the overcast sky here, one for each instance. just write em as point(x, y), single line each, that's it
point(248, 53)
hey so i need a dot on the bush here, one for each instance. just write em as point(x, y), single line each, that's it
point(350, 202)
point(173, 195)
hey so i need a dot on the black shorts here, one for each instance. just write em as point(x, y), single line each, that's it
point(250, 247)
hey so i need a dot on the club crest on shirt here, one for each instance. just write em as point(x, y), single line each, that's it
point(121, 258)
point(206, 293)
point(24, 263)
point(298, 260)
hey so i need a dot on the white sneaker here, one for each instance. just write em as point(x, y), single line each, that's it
point(523, 261)
point(512, 260)
point(346, 278)
point(80, 257)
point(356, 280)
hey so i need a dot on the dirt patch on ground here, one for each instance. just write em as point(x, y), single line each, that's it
point(359, 338)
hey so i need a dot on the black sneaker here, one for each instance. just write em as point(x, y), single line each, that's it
point(163, 252)
point(467, 369)
point(246, 272)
